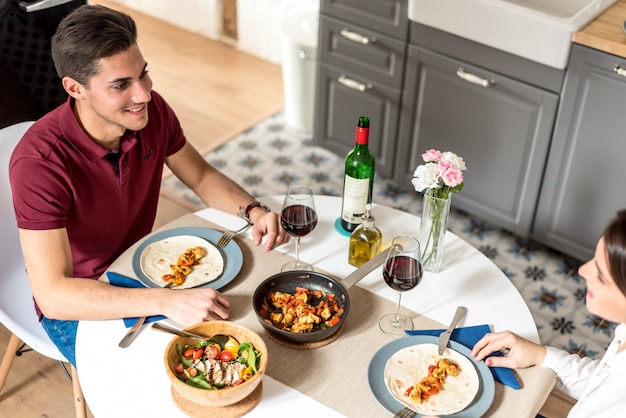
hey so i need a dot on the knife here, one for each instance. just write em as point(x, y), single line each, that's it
point(444, 337)
point(133, 332)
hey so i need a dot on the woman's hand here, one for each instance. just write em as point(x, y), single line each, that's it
point(520, 352)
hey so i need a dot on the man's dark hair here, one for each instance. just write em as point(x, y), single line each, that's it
point(88, 34)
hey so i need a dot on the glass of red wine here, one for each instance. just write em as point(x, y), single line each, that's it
point(298, 218)
point(402, 271)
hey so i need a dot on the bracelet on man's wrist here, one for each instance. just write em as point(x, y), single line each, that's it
point(245, 212)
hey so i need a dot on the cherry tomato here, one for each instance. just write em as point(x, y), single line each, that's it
point(179, 368)
point(198, 353)
point(232, 346)
point(245, 374)
point(213, 351)
point(191, 371)
point(226, 356)
point(188, 353)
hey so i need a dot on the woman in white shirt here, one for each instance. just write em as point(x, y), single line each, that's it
point(598, 385)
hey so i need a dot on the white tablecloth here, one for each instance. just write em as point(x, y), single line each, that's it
point(131, 382)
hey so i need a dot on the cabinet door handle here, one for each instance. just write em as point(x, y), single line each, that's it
point(619, 70)
point(353, 84)
point(356, 37)
point(474, 79)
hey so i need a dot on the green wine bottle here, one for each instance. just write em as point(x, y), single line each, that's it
point(358, 180)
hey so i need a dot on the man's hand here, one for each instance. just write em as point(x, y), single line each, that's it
point(267, 224)
point(192, 306)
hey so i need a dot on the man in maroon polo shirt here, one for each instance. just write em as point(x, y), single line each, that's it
point(86, 180)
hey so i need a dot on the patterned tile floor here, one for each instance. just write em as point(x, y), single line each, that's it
point(270, 157)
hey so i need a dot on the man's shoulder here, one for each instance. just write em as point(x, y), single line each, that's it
point(52, 125)
point(45, 135)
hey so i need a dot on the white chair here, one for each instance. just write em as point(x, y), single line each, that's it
point(17, 312)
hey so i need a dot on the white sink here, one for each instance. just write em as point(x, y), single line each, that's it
point(540, 30)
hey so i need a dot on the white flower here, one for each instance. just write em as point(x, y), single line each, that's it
point(453, 159)
point(426, 176)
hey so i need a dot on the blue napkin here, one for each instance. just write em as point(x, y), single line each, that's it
point(469, 336)
point(122, 281)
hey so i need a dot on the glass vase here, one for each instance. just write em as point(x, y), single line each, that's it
point(433, 226)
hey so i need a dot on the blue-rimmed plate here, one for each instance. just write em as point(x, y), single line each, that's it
point(233, 257)
point(376, 380)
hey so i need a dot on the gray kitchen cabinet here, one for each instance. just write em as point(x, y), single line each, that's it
point(501, 125)
point(584, 179)
point(362, 51)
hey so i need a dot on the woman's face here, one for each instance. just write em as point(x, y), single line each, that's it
point(603, 296)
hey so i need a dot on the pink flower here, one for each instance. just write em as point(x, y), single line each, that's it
point(452, 177)
point(431, 155)
point(444, 165)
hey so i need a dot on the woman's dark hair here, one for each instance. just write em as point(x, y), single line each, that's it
point(615, 244)
point(88, 34)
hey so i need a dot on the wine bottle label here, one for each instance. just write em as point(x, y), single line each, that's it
point(355, 194)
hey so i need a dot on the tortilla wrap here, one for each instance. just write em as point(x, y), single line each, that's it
point(410, 365)
point(159, 255)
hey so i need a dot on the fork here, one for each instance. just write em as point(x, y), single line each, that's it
point(404, 413)
point(227, 236)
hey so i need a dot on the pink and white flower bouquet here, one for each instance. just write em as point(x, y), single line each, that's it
point(441, 175)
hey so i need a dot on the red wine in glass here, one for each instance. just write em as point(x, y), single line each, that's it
point(402, 273)
point(298, 220)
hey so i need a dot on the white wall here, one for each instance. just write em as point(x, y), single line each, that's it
point(258, 21)
point(199, 16)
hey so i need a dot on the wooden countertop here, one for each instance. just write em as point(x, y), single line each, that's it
point(605, 32)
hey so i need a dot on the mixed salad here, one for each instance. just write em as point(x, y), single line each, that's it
point(209, 365)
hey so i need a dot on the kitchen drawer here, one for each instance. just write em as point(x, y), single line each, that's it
point(339, 106)
point(387, 17)
point(380, 60)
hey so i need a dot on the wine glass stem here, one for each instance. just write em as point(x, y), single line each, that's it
point(396, 319)
point(297, 250)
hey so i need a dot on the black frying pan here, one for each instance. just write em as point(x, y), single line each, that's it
point(287, 282)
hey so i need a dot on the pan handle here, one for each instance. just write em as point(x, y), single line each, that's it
point(365, 269)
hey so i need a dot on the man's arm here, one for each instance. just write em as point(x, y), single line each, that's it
point(60, 296)
point(220, 192)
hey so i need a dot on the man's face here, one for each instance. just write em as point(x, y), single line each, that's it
point(117, 97)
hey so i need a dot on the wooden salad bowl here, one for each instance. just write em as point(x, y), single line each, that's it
point(215, 397)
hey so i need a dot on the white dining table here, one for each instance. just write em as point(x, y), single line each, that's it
point(131, 382)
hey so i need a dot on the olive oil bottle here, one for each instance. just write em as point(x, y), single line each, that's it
point(365, 241)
